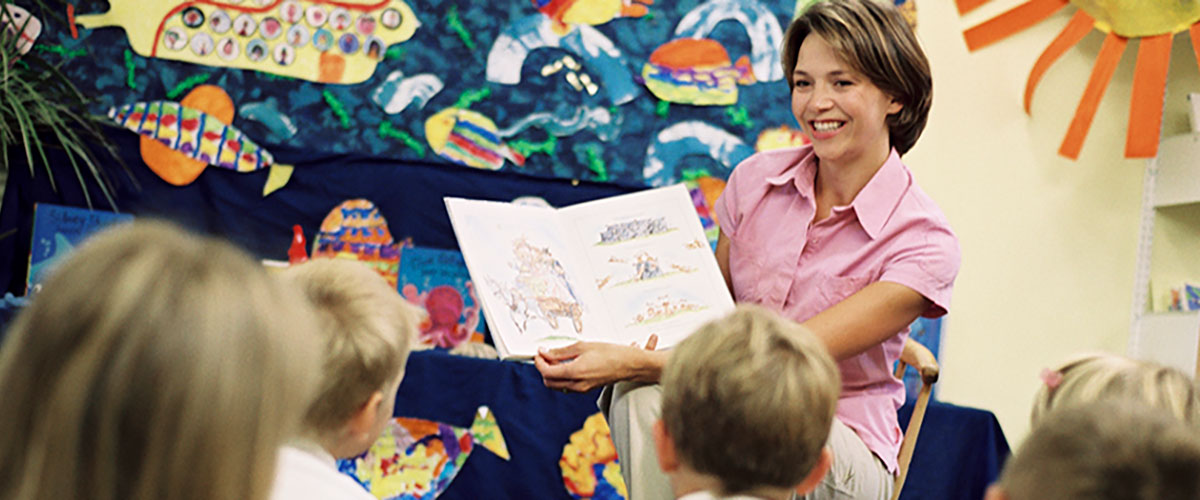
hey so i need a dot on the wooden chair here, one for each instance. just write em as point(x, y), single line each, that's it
point(919, 357)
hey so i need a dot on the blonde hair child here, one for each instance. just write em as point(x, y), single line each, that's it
point(154, 365)
point(747, 404)
point(367, 329)
point(1094, 376)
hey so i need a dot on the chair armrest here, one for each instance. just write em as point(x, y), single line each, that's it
point(918, 356)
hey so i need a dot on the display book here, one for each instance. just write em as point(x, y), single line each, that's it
point(614, 270)
point(57, 230)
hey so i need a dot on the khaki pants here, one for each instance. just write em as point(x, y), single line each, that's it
point(632, 408)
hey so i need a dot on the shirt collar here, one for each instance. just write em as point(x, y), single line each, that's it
point(877, 200)
point(801, 172)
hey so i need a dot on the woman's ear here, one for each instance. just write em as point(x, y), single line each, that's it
point(895, 106)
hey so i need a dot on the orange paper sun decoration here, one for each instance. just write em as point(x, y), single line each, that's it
point(1155, 22)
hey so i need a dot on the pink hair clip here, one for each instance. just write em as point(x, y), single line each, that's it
point(1051, 378)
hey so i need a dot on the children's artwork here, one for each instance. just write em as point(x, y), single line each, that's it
point(180, 139)
point(612, 270)
point(927, 331)
point(355, 230)
point(1153, 23)
point(437, 281)
point(696, 72)
point(18, 19)
point(548, 88)
point(589, 464)
point(469, 138)
point(56, 231)
point(705, 190)
point(417, 459)
point(317, 40)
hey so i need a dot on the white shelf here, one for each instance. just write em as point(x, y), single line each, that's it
point(1171, 338)
point(1178, 181)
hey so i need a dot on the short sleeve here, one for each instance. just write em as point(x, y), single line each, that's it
point(928, 267)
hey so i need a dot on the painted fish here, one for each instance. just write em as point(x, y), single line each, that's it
point(356, 230)
point(565, 13)
point(469, 138)
point(180, 139)
point(696, 71)
point(20, 19)
point(328, 41)
point(417, 459)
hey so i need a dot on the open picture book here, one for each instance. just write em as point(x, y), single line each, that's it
point(612, 270)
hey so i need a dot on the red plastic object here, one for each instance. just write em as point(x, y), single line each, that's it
point(297, 253)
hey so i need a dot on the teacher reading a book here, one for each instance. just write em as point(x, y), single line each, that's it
point(835, 235)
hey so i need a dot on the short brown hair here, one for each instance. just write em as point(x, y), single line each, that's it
point(749, 399)
point(366, 326)
point(874, 39)
point(154, 364)
point(1115, 449)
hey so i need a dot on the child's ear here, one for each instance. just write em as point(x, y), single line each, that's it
point(895, 106)
point(994, 492)
point(665, 448)
point(363, 420)
point(824, 461)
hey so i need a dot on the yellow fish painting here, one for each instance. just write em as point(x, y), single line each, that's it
point(324, 41)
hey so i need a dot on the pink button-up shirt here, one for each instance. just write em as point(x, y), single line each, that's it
point(780, 258)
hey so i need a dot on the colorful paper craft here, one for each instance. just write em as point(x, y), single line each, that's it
point(324, 41)
point(589, 464)
point(417, 459)
point(437, 281)
point(356, 230)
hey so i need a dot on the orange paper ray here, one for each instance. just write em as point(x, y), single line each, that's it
point(1102, 71)
point(1079, 26)
point(1195, 34)
point(1146, 106)
point(965, 6)
point(1008, 23)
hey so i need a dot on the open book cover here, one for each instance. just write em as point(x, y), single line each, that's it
point(57, 230)
point(612, 270)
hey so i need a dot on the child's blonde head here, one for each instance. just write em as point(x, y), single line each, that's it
point(366, 327)
point(1111, 449)
point(749, 399)
point(154, 364)
point(1090, 377)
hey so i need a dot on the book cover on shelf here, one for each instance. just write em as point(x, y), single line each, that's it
point(613, 270)
point(436, 280)
point(57, 230)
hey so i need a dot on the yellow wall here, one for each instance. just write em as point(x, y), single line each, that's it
point(1049, 244)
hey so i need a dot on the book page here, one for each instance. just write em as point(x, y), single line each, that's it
point(527, 277)
point(654, 270)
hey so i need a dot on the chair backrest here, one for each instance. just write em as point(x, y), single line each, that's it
point(919, 357)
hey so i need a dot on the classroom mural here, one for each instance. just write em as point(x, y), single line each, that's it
point(633, 92)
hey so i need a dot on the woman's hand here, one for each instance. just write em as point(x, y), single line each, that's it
point(584, 366)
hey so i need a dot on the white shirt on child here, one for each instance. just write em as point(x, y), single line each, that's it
point(308, 472)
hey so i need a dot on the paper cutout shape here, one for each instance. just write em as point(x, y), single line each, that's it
point(597, 51)
point(567, 13)
point(397, 92)
point(57, 230)
point(696, 72)
point(437, 281)
point(469, 138)
point(417, 459)
point(17, 19)
point(666, 153)
point(180, 139)
point(761, 24)
point(324, 41)
point(356, 230)
point(780, 137)
point(1154, 23)
point(705, 190)
point(589, 463)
